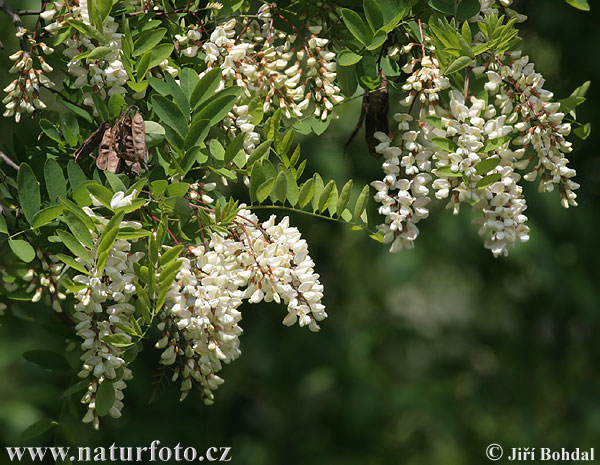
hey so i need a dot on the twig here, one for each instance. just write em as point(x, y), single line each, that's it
point(16, 20)
point(28, 12)
point(8, 161)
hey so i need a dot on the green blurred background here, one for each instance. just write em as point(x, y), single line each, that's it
point(427, 356)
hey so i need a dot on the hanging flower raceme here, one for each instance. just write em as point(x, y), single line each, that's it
point(23, 93)
point(254, 262)
point(473, 149)
point(104, 311)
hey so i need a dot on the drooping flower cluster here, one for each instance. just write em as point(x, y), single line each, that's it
point(104, 307)
point(23, 94)
point(287, 70)
point(255, 262)
point(472, 150)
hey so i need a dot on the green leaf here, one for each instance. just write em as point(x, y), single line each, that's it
point(458, 64)
point(75, 109)
point(493, 144)
point(68, 260)
point(155, 133)
point(98, 53)
point(443, 6)
point(217, 106)
point(259, 152)
point(446, 171)
point(373, 13)
point(361, 202)
point(100, 106)
point(22, 249)
point(265, 189)
point(170, 114)
point(137, 86)
point(579, 4)
point(280, 187)
point(78, 228)
point(435, 121)
point(148, 40)
point(318, 189)
point(87, 30)
point(56, 184)
point(489, 180)
point(178, 94)
point(118, 340)
point(172, 254)
point(159, 54)
point(115, 182)
point(292, 192)
point(178, 189)
point(344, 198)
point(333, 198)
point(189, 80)
point(3, 226)
point(109, 235)
point(583, 132)
point(467, 9)
point(101, 193)
point(38, 428)
point(378, 40)
point(346, 77)
point(103, 7)
point(348, 58)
point(75, 174)
point(445, 144)
point(52, 361)
point(487, 165)
point(142, 66)
point(570, 103)
point(206, 87)
point(257, 177)
point(46, 215)
point(197, 133)
point(233, 148)
point(324, 197)
point(29, 191)
point(357, 26)
point(50, 130)
point(70, 128)
point(105, 396)
point(74, 245)
point(306, 193)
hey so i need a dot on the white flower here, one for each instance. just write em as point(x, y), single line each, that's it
point(119, 199)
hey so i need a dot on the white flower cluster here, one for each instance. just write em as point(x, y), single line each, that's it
point(540, 123)
point(107, 75)
point(23, 94)
point(404, 199)
point(472, 150)
point(285, 70)
point(103, 309)
point(201, 321)
point(426, 82)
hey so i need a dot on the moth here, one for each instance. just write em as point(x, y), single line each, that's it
point(374, 115)
point(123, 143)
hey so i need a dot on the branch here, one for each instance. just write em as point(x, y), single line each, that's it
point(8, 161)
point(16, 20)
